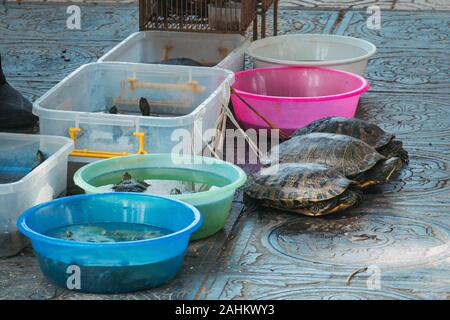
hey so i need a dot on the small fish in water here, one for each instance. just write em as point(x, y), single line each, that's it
point(144, 106)
point(182, 62)
point(113, 110)
point(128, 184)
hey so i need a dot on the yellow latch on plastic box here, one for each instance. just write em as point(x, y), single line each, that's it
point(73, 132)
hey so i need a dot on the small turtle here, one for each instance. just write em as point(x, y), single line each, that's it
point(39, 159)
point(352, 157)
point(175, 191)
point(144, 106)
point(113, 110)
point(182, 62)
point(308, 188)
point(128, 184)
point(368, 132)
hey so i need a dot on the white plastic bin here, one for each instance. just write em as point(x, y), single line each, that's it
point(82, 99)
point(220, 50)
point(44, 183)
point(318, 50)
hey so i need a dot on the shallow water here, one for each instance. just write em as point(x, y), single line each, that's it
point(163, 181)
point(168, 187)
point(134, 111)
point(13, 176)
point(108, 232)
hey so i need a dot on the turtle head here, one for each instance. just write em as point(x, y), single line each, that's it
point(113, 110)
point(386, 170)
point(395, 149)
point(40, 156)
point(144, 106)
point(126, 176)
point(348, 199)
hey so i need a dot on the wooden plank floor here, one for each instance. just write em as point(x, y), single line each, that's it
point(399, 235)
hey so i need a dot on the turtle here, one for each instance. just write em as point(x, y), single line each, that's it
point(175, 191)
point(144, 106)
point(113, 110)
point(352, 157)
point(40, 157)
point(308, 188)
point(182, 62)
point(128, 184)
point(370, 133)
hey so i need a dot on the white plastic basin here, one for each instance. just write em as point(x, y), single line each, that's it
point(320, 50)
point(41, 184)
point(79, 101)
point(221, 50)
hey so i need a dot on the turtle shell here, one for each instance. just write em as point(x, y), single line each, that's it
point(368, 132)
point(348, 155)
point(302, 182)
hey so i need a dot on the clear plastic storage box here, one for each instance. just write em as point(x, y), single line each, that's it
point(179, 98)
point(26, 181)
point(220, 50)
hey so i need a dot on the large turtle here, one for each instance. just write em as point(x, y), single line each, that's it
point(128, 184)
point(308, 188)
point(368, 132)
point(352, 157)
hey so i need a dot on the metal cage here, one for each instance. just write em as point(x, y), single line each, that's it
point(221, 16)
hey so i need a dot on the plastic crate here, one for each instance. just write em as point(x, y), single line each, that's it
point(81, 100)
point(220, 50)
point(34, 185)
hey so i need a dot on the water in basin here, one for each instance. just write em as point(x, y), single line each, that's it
point(165, 181)
point(108, 232)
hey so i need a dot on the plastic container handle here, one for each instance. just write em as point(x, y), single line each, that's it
point(73, 133)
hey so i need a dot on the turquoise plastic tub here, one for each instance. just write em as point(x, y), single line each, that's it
point(110, 267)
point(214, 204)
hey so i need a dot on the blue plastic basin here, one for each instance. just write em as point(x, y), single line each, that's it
point(111, 267)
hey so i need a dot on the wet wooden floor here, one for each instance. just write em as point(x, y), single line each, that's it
point(394, 246)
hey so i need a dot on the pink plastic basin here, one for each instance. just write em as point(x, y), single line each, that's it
point(292, 97)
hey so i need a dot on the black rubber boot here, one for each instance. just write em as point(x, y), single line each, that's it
point(15, 109)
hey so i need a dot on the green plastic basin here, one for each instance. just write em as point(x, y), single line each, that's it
point(214, 204)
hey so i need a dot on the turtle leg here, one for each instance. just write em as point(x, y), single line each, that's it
point(382, 172)
point(348, 199)
point(395, 149)
point(250, 202)
point(319, 208)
